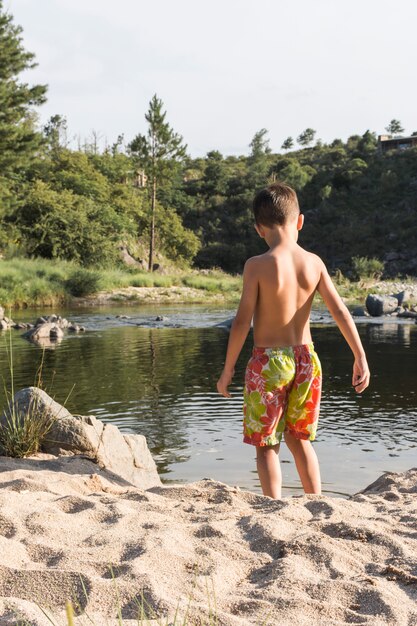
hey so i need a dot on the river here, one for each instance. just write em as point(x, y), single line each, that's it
point(159, 379)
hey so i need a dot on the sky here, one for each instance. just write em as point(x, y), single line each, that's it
point(224, 69)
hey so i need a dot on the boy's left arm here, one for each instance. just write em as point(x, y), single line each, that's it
point(240, 325)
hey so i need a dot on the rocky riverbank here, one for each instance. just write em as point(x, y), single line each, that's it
point(352, 293)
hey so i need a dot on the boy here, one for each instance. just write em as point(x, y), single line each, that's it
point(283, 376)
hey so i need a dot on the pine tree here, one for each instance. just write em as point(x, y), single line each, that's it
point(306, 137)
point(155, 152)
point(287, 144)
point(259, 145)
point(19, 140)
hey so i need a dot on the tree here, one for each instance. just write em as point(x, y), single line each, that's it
point(215, 176)
point(156, 152)
point(305, 138)
point(56, 132)
point(19, 140)
point(288, 144)
point(259, 145)
point(394, 127)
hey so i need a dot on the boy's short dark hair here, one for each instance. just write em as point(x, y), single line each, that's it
point(275, 205)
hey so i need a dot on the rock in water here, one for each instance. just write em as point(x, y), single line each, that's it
point(360, 311)
point(1, 312)
point(127, 456)
point(380, 305)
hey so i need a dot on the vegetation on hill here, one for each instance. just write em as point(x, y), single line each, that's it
point(81, 205)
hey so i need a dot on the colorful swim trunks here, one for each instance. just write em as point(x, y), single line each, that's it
point(282, 393)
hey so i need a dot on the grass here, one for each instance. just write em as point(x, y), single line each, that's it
point(43, 282)
point(22, 432)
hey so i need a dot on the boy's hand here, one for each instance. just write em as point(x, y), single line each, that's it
point(224, 381)
point(361, 374)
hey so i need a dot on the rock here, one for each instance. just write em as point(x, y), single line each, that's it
point(360, 311)
point(40, 331)
point(402, 297)
point(380, 305)
point(3, 325)
point(1, 312)
point(82, 329)
point(408, 314)
point(127, 456)
point(52, 328)
point(56, 332)
point(35, 400)
point(128, 259)
point(20, 326)
point(161, 318)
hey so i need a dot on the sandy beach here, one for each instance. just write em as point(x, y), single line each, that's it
point(238, 556)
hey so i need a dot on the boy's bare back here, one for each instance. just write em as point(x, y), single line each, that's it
point(283, 375)
point(279, 288)
point(287, 279)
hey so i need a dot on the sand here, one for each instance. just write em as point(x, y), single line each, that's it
point(211, 547)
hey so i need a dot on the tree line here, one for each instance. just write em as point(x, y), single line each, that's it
point(147, 192)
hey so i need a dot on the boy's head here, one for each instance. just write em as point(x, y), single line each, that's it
point(276, 204)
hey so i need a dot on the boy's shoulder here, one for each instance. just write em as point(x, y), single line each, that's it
point(260, 260)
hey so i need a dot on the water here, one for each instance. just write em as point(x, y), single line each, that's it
point(160, 380)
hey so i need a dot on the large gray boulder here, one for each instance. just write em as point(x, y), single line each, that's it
point(45, 330)
point(380, 305)
point(127, 455)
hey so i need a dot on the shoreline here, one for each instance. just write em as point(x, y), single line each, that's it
point(41, 283)
point(190, 295)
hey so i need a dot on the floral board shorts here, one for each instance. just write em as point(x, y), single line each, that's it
point(281, 394)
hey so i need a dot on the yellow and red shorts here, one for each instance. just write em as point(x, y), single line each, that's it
point(281, 394)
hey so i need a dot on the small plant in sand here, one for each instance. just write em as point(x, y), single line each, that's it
point(22, 432)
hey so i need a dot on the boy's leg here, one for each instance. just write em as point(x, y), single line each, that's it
point(306, 462)
point(269, 470)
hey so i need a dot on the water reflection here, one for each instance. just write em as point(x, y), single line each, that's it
point(161, 382)
point(390, 332)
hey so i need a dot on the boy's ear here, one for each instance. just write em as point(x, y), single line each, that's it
point(300, 221)
point(259, 230)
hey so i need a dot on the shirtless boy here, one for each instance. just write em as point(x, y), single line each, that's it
point(283, 376)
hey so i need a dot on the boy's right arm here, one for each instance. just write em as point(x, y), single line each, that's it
point(342, 317)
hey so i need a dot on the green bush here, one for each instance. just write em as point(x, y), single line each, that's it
point(367, 268)
point(82, 282)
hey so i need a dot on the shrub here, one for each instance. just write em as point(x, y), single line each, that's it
point(367, 268)
point(22, 432)
point(82, 282)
